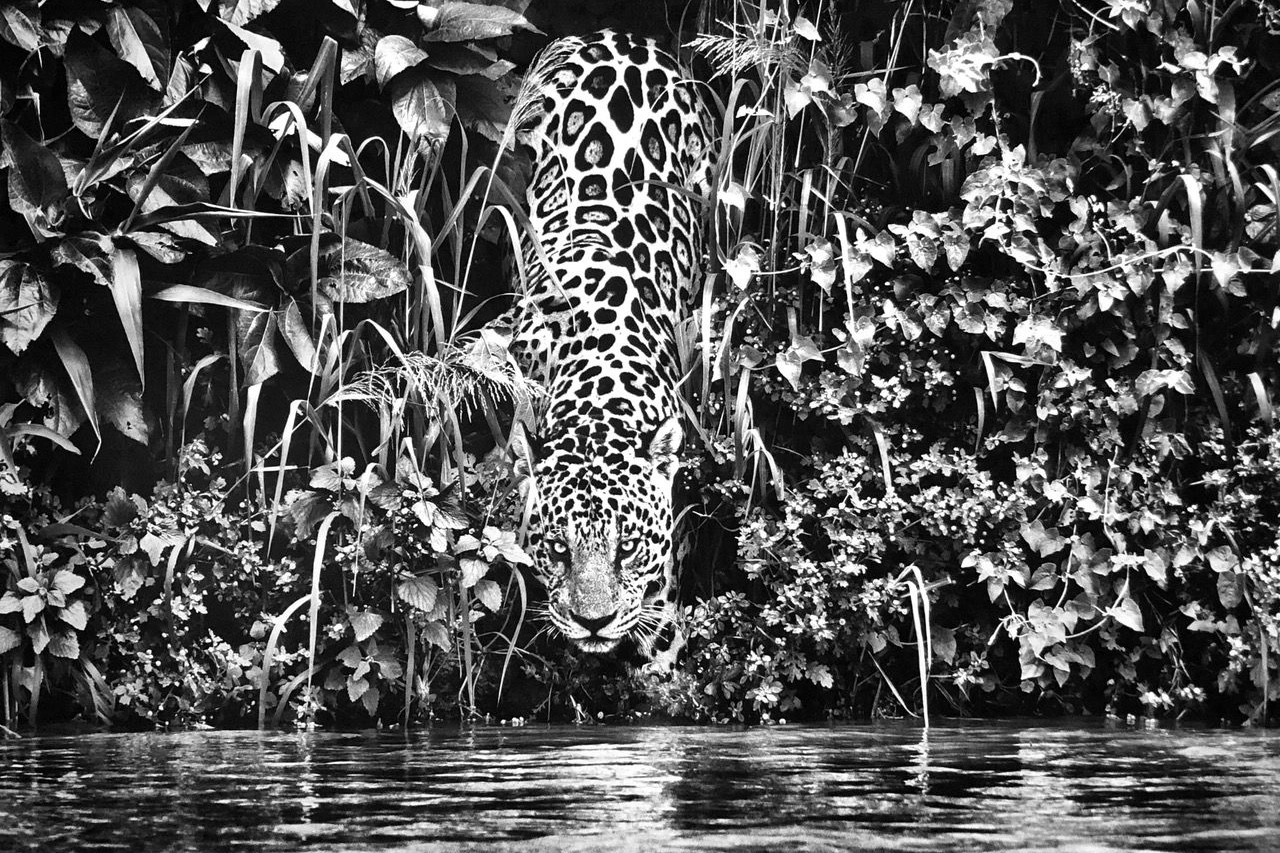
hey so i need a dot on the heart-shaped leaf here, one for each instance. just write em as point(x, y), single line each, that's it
point(394, 55)
point(418, 592)
point(423, 102)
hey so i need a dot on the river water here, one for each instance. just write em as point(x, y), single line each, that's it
point(965, 786)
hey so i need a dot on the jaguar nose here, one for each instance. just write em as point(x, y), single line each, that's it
point(594, 625)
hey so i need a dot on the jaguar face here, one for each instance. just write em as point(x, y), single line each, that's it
point(601, 534)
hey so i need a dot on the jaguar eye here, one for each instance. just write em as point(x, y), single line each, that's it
point(627, 547)
point(559, 548)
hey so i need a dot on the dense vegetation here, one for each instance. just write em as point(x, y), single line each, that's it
point(980, 384)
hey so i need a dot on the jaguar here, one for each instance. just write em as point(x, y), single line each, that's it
point(619, 137)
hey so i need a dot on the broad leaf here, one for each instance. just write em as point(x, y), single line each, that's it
point(89, 252)
point(66, 581)
point(163, 247)
point(75, 614)
point(352, 271)
point(9, 639)
point(484, 106)
point(393, 55)
point(489, 594)
point(258, 355)
point(27, 303)
point(19, 25)
point(456, 21)
point(364, 623)
point(39, 634)
point(469, 59)
point(64, 644)
point(438, 635)
point(424, 103)
point(297, 334)
point(183, 183)
point(418, 592)
point(472, 570)
point(37, 183)
point(98, 80)
point(138, 41)
point(39, 382)
point(241, 12)
point(1127, 613)
point(369, 699)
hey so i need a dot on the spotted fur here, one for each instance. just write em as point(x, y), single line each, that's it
point(620, 140)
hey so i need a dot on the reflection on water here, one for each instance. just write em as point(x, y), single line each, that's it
point(962, 787)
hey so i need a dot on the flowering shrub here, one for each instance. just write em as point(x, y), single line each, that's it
point(1005, 378)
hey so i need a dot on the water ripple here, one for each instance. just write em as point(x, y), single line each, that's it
point(962, 787)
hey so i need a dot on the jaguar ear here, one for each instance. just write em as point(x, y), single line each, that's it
point(663, 447)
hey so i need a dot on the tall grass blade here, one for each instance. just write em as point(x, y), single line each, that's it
point(126, 291)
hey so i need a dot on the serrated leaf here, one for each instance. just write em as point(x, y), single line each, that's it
point(370, 700)
point(32, 605)
point(356, 687)
point(9, 639)
point(39, 635)
point(489, 594)
point(418, 592)
point(64, 644)
point(473, 570)
point(351, 656)
point(75, 614)
point(364, 623)
point(66, 581)
point(437, 634)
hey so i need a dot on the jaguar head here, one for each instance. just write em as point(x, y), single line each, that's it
point(600, 533)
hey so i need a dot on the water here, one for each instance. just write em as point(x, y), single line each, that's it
point(1078, 787)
